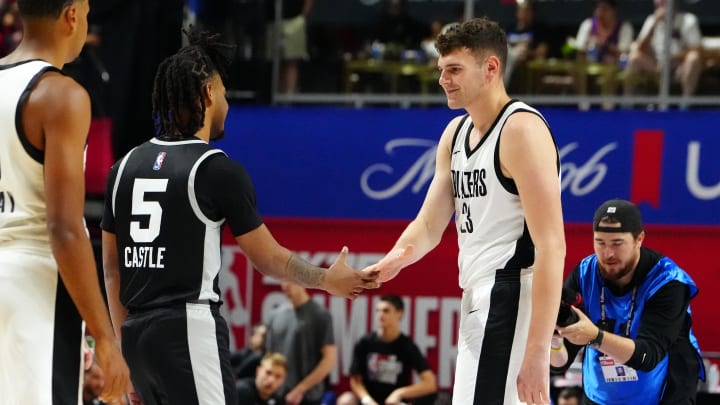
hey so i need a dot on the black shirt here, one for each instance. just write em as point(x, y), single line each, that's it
point(248, 394)
point(386, 366)
point(166, 203)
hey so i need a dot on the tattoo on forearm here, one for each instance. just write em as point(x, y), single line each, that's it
point(303, 272)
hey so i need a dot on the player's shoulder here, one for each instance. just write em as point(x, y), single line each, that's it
point(453, 127)
point(455, 123)
point(56, 87)
point(523, 118)
point(55, 94)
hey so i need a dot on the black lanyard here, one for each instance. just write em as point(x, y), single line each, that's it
point(632, 308)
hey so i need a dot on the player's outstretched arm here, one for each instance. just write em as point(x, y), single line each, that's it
point(425, 231)
point(274, 260)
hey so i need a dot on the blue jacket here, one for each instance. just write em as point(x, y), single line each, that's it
point(650, 385)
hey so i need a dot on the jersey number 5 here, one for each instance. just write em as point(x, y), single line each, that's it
point(142, 207)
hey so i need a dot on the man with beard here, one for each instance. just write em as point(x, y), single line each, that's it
point(637, 323)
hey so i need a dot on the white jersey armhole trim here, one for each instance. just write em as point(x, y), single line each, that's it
point(157, 141)
point(118, 176)
point(191, 190)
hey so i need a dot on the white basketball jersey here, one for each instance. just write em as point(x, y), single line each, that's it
point(22, 185)
point(490, 221)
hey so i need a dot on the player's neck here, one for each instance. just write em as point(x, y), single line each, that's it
point(37, 48)
point(41, 40)
point(485, 109)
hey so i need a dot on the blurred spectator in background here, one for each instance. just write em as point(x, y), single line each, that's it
point(135, 35)
point(526, 42)
point(240, 22)
point(645, 57)
point(292, 41)
point(604, 37)
point(427, 46)
point(10, 27)
point(303, 333)
point(93, 385)
point(397, 31)
point(261, 389)
point(383, 362)
point(245, 361)
point(570, 396)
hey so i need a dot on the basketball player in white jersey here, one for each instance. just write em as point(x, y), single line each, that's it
point(497, 171)
point(47, 268)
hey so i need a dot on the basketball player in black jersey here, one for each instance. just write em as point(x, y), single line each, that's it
point(166, 203)
point(48, 277)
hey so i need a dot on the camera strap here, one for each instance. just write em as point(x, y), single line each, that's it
point(631, 315)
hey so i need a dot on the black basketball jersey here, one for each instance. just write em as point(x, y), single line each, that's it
point(167, 219)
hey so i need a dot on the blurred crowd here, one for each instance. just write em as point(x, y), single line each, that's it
point(129, 38)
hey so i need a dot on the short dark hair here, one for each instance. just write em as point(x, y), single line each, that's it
point(478, 35)
point(179, 81)
point(43, 8)
point(394, 300)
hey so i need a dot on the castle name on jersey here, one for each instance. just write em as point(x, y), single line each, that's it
point(467, 184)
point(144, 257)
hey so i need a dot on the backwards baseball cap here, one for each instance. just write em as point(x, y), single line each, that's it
point(618, 211)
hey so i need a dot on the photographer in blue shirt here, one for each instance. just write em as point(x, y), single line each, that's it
point(636, 323)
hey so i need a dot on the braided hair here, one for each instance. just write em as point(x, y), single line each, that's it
point(178, 101)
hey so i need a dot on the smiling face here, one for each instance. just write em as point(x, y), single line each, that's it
point(462, 77)
point(618, 254)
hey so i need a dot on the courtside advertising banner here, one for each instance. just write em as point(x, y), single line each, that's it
point(332, 177)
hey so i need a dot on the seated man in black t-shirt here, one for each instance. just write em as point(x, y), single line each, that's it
point(382, 363)
point(263, 388)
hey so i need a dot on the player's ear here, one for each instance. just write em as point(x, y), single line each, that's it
point(69, 17)
point(208, 93)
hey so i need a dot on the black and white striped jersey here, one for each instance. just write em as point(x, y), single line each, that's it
point(490, 220)
point(166, 202)
point(23, 211)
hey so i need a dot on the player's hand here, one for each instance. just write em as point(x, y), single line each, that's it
point(393, 262)
point(115, 371)
point(533, 380)
point(344, 281)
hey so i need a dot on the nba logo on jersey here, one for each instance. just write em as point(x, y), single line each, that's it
point(159, 161)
